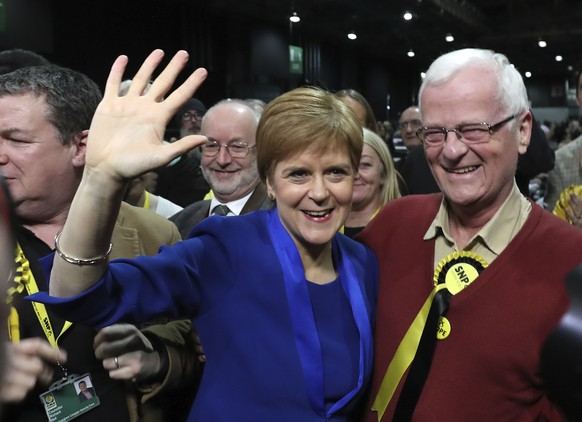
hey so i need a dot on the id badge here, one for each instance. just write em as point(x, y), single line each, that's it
point(69, 398)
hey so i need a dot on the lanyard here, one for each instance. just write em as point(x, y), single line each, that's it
point(25, 278)
point(303, 321)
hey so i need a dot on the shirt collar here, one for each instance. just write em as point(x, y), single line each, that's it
point(235, 206)
point(498, 231)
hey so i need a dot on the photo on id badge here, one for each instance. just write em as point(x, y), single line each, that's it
point(69, 398)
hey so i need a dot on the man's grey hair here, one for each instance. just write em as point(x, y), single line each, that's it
point(511, 92)
point(70, 96)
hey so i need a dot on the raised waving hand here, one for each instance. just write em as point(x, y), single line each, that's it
point(125, 139)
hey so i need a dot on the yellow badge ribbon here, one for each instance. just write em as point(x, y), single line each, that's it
point(16, 286)
point(562, 204)
point(455, 272)
point(147, 203)
point(21, 275)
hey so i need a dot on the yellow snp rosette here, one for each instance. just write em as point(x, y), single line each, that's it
point(456, 271)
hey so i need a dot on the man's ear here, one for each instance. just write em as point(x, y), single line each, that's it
point(79, 145)
point(525, 130)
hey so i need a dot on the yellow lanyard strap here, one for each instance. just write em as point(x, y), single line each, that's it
point(25, 278)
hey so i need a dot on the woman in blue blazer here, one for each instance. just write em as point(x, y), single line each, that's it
point(283, 303)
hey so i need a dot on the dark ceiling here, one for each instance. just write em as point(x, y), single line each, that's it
point(512, 27)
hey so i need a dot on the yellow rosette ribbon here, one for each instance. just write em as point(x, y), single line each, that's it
point(454, 273)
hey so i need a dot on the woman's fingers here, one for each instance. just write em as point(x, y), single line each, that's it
point(163, 83)
point(185, 91)
point(115, 76)
point(145, 72)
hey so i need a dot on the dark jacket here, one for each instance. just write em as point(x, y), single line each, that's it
point(198, 211)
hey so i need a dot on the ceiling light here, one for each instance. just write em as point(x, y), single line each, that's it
point(410, 53)
point(542, 43)
point(449, 38)
point(528, 74)
point(407, 16)
point(559, 58)
point(352, 35)
point(294, 18)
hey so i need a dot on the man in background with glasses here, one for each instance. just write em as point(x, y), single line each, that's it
point(229, 165)
point(471, 279)
point(182, 182)
point(190, 117)
point(413, 166)
point(409, 123)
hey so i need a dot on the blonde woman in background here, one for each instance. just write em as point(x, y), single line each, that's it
point(375, 185)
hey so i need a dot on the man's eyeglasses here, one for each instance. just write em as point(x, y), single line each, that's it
point(412, 123)
point(236, 149)
point(189, 115)
point(469, 133)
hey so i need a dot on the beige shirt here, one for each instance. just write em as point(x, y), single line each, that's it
point(491, 239)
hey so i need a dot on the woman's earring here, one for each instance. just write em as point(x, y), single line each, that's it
point(271, 196)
